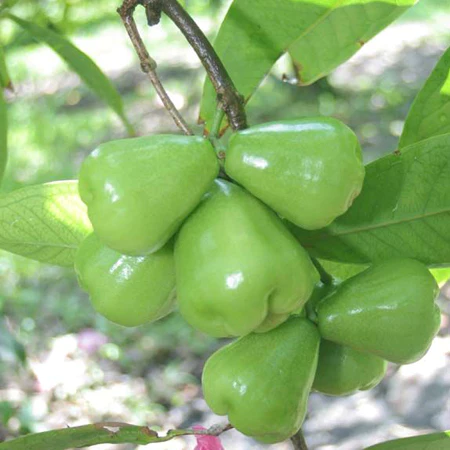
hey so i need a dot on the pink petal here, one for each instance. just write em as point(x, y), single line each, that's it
point(206, 442)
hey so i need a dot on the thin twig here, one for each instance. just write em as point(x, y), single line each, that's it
point(214, 430)
point(325, 277)
point(148, 64)
point(227, 94)
point(298, 441)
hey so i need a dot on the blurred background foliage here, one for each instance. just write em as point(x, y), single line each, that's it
point(59, 361)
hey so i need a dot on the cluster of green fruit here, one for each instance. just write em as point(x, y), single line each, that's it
point(168, 231)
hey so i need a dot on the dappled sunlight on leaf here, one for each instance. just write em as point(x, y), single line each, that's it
point(45, 222)
point(445, 89)
point(256, 33)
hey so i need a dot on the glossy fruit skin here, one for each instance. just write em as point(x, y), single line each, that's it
point(309, 170)
point(387, 310)
point(139, 191)
point(128, 290)
point(238, 268)
point(343, 371)
point(262, 381)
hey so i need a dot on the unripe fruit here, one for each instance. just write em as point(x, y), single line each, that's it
point(238, 268)
point(139, 191)
point(307, 170)
point(343, 371)
point(262, 381)
point(128, 290)
point(387, 310)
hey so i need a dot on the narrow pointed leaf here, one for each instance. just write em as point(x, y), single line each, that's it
point(430, 112)
point(3, 134)
point(44, 222)
point(255, 33)
point(83, 436)
point(80, 63)
point(402, 211)
point(341, 34)
point(90, 435)
point(435, 441)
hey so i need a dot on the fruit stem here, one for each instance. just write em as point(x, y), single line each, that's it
point(219, 146)
point(228, 96)
point(218, 118)
point(298, 441)
point(214, 138)
point(148, 64)
point(325, 277)
point(312, 315)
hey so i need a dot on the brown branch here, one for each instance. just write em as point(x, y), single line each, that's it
point(298, 441)
point(227, 95)
point(214, 430)
point(148, 64)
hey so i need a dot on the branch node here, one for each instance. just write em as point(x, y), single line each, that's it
point(127, 8)
point(218, 429)
point(153, 11)
point(148, 65)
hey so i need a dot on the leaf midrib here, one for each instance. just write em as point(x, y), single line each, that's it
point(319, 20)
point(40, 244)
point(384, 224)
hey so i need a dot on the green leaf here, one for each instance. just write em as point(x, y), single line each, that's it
point(341, 34)
point(80, 63)
point(5, 80)
point(44, 222)
point(402, 211)
point(435, 441)
point(342, 271)
point(84, 436)
point(98, 433)
point(430, 112)
point(255, 33)
point(3, 134)
point(441, 275)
